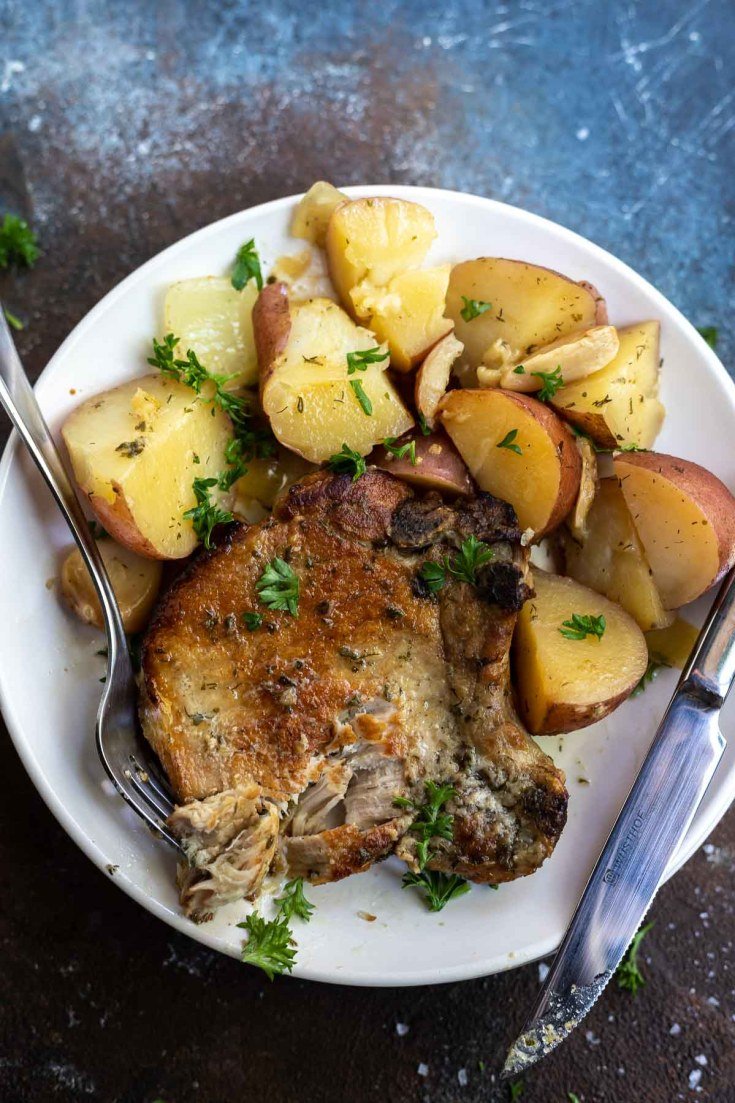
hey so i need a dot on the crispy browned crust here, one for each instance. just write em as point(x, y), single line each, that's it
point(224, 707)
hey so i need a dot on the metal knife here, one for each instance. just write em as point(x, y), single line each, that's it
point(667, 792)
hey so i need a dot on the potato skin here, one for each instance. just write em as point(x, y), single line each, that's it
point(271, 328)
point(432, 378)
point(562, 717)
point(439, 465)
point(117, 519)
point(601, 315)
point(135, 583)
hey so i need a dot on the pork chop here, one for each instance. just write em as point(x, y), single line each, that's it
point(287, 745)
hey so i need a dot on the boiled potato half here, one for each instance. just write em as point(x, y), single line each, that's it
point(253, 495)
point(433, 463)
point(209, 316)
point(517, 449)
point(314, 403)
point(136, 451)
point(432, 378)
point(134, 579)
point(619, 405)
point(574, 357)
point(313, 211)
point(611, 560)
point(685, 518)
point(567, 683)
point(372, 241)
point(521, 307)
point(408, 313)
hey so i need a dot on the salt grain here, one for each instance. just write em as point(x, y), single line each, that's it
point(462, 1078)
point(402, 1029)
point(423, 1070)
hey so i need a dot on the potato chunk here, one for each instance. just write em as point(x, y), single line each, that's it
point(313, 211)
point(313, 401)
point(136, 450)
point(408, 313)
point(577, 521)
point(432, 378)
point(209, 316)
point(134, 579)
point(685, 518)
point(517, 449)
point(433, 463)
point(373, 241)
point(576, 356)
point(611, 559)
point(530, 306)
point(564, 684)
point(619, 404)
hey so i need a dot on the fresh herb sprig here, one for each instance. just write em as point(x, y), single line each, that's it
point(193, 373)
point(628, 973)
point(247, 267)
point(347, 462)
point(472, 555)
point(580, 626)
point(473, 308)
point(206, 515)
point(432, 822)
point(358, 361)
point(438, 888)
point(293, 902)
point(401, 450)
point(655, 664)
point(551, 382)
point(710, 334)
point(509, 442)
point(13, 321)
point(18, 243)
point(362, 398)
point(270, 945)
point(515, 1090)
point(278, 586)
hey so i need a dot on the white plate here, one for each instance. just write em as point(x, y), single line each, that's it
point(49, 671)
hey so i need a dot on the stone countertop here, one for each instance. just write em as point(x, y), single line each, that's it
point(124, 127)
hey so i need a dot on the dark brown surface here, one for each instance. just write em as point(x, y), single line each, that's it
point(134, 124)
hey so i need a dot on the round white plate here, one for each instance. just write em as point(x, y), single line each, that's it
point(49, 670)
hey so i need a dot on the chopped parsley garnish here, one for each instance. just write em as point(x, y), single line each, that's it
point(401, 450)
point(278, 586)
point(629, 448)
point(508, 442)
point(431, 821)
point(423, 425)
point(247, 267)
point(358, 361)
point(247, 445)
point(193, 373)
point(362, 398)
point(628, 974)
point(270, 943)
point(515, 1091)
point(14, 322)
point(18, 243)
point(473, 308)
point(581, 626)
point(347, 462)
point(439, 888)
point(131, 448)
point(472, 555)
point(205, 515)
point(520, 370)
point(551, 382)
point(655, 663)
point(572, 1097)
point(710, 334)
point(252, 621)
point(293, 902)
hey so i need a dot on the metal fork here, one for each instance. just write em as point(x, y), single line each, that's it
point(125, 756)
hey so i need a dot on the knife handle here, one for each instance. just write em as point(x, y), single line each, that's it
point(710, 671)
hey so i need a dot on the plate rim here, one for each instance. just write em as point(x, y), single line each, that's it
point(697, 833)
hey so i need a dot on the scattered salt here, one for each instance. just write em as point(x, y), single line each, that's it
point(676, 1029)
point(701, 1060)
point(694, 1078)
point(423, 1070)
point(543, 971)
point(462, 1078)
point(402, 1029)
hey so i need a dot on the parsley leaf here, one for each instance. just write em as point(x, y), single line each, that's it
point(573, 1097)
point(439, 888)
point(358, 361)
point(247, 267)
point(362, 398)
point(515, 1091)
point(431, 821)
point(293, 902)
point(473, 554)
point(551, 382)
point(14, 322)
point(710, 334)
point(423, 425)
point(473, 308)
point(278, 586)
point(629, 448)
point(433, 575)
point(252, 621)
point(655, 663)
point(347, 462)
point(579, 627)
point(17, 243)
point(270, 945)
point(520, 370)
point(628, 974)
point(508, 442)
point(205, 515)
point(400, 450)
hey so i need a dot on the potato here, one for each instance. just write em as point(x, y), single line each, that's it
point(254, 494)
point(372, 241)
point(611, 559)
point(438, 465)
point(517, 449)
point(619, 405)
point(685, 518)
point(577, 519)
point(408, 313)
point(209, 316)
point(576, 356)
point(432, 378)
point(305, 276)
point(531, 307)
point(134, 452)
point(601, 318)
point(313, 404)
point(135, 581)
point(313, 211)
point(674, 644)
point(564, 684)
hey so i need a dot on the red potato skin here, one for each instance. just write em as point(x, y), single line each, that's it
point(601, 316)
point(271, 327)
point(116, 519)
point(699, 484)
point(439, 465)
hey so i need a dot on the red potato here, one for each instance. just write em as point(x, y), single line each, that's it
point(517, 449)
point(685, 517)
point(432, 378)
point(438, 465)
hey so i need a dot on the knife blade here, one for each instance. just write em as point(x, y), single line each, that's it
point(681, 761)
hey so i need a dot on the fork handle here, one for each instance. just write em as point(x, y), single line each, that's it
point(21, 405)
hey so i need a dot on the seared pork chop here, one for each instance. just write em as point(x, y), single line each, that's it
point(288, 745)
